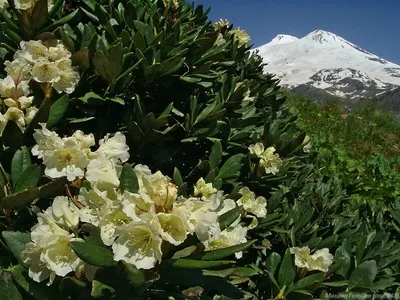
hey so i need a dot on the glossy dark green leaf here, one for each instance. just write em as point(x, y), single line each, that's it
point(8, 290)
point(16, 242)
point(94, 254)
point(20, 162)
point(18, 201)
point(231, 167)
point(128, 180)
point(363, 275)
point(197, 264)
point(287, 271)
point(226, 219)
point(309, 280)
point(29, 178)
point(216, 155)
point(222, 253)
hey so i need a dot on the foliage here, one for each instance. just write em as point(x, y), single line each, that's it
point(123, 92)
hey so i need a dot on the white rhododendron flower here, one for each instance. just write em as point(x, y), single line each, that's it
point(49, 253)
point(3, 4)
point(241, 37)
point(269, 160)
point(114, 148)
point(32, 51)
point(319, 261)
point(8, 89)
point(16, 115)
point(203, 188)
point(102, 171)
point(18, 70)
point(66, 81)
point(229, 237)
point(172, 228)
point(24, 4)
point(45, 71)
point(68, 161)
point(46, 141)
point(138, 244)
point(221, 24)
point(110, 219)
point(30, 114)
point(256, 206)
point(159, 189)
point(140, 171)
point(64, 212)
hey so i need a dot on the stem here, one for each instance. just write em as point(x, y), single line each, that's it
point(72, 198)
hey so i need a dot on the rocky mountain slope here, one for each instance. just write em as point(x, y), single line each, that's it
point(323, 65)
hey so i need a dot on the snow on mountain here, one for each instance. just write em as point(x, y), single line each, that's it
point(324, 61)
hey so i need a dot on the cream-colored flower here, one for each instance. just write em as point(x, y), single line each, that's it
point(134, 204)
point(270, 161)
point(58, 53)
point(46, 141)
point(241, 37)
point(102, 172)
point(84, 141)
point(94, 201)
point(256, 206)
point(3, 4)
point(172, 228)
point(30, 113)
point(3, 123)
point(45, 71)
point(9, 90)
point(307, 146)
point(301, 256)
point(175, 3)
point(221, 24)
point(18, 69)
point(64, 212)
point(229, 237)
point(16, 115)
point(137, 244)
point(24, 4)
point(25, 102)
point(203, 188)
point(140, 171)
point(257, 149)
point(49, 253)
point(68, 160)
point(66, 81)
point(111, 217)
point(247, 97)
point(160, 190)
point(321, 260)
point(32, 51)
point(114, 148)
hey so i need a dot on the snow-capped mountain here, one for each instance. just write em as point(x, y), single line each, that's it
point(323, 63)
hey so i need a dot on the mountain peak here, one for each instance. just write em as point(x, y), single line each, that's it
point(322, 36)
point(283, 39)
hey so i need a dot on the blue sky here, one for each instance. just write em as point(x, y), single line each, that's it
point(371, 24)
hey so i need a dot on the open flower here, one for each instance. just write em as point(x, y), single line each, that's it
point(172, 228)
point(24, 4)
point(103, 172)
point(45, 71)
point(203, 188)
point(229, 237)
point(137, 244)
point(269, 160)
point(256, 206)
point(319, 261)
point(160, 190)
point(114, 148)
point(241, 37)
point(64, 212)
point(46, 141)
point(18, 69)
point(68, 160)
point(301, 256)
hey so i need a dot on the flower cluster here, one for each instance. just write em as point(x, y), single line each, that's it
point(175, 3)
point(133, 223)
point(268, 159)
point(29, 4)
point(319, 261)
point(42, 63)
point(238, 34)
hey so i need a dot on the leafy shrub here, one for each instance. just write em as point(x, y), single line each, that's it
point(145, 155)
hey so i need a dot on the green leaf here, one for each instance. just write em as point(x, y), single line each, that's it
point(216, 155)
point(39, 15)
point(94, 254)
point(177, 177)
point(231, 167)
point(226, 219)
point(12, 135)
point(8, 290)
point(273, 261)
point(286, 271)
point(57, 110)
point(336, 283)
point(100, 289)
point(309, 280)
point(222, 253)
point(363, 275)
point(29, 178)
point(128, 180)
point(20, 162)
point(18, 201)
point(197, 264)
point(342, 253)
point(37, 290)
point(16, 242)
